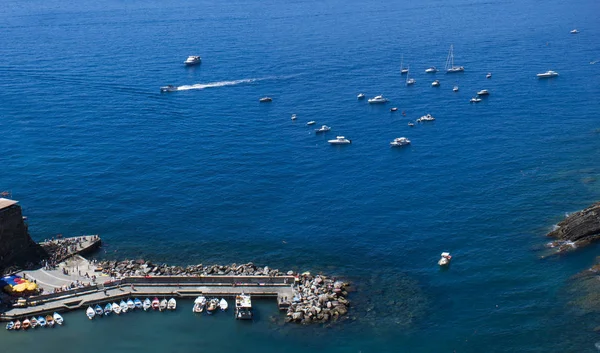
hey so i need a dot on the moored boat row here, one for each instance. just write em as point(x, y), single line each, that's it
point(130, 305)
point(40, 321)
point(202, 304)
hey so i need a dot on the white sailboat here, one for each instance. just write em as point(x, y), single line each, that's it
point(403, 70)
point(450, 68)
point(409, 81)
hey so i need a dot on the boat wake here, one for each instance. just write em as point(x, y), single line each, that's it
point(216, 84)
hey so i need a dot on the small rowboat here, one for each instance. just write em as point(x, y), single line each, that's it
point(155, 303)
point(123, 306)
point(90, 313)
point(172, 304)
point(147, 304)
point(116, 308)
point(223, 304)
point(17, 325)
point(34, 322)
point(41, 321)
point(130, 304)
point(26, 324)
point(163, 305)
point(10, 325)
point(58, 319)
point(108, 309)
point(138, 303)
point(49, 321)
point(98, 310)
point(199, 304)
point(212, 306)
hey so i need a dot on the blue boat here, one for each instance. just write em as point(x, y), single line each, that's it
point(137, 303)
point(107, 309)
point(41, 321)
point(98, 310)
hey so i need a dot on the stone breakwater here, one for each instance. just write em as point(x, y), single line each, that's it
point(317, 298)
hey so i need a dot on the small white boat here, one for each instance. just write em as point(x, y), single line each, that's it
point(312, 122)
point(475, 100)
point(445, 259)
point(360, 96)
point(265, 99)
point(199, 304)
point(58, 319)
point(138, 303)
point(124, 307)
point(411, 124)
point(427, 117)
point(377, 100)
point(90, 313)
point(450, 67)
point(223, 304)
point(155, 303)
point(116, 308)
point(163, 305)
point(489, 75)
point(403, 70)
point(435, 83)
point(10, 325)
point(168, 88)
point(411, 81)
point(574, 31)
point(41, 321)
point(130, 304)
point(323, 128)
point(400, 141)
point(340, 140)
point(49, 320)
point(547, 74)
point(455, 89)
point(172, 304)
point(147, 304)
point(394, 109)
point(34, 322)
point(107, 309)
point(294, 117)
point(192, 60)
point(431, 70)
point(212, 305)
point(483, 92)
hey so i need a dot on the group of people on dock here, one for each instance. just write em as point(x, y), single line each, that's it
point(59, 248)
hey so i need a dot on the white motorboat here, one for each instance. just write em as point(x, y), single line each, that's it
point(475, 100)
point(323, 128)
point(575, 31)
point(411, 124)
point(450, 67)
point(192, 60)
point(124, 307)
point(116, 308)
point(130, 304)
point(427, 117)
point(223, 304)
point(489, 75)
point(147, 304)
point(172, 304)
point(361, 96)
point(294, 117)
point(163, 305)
point(168, 88)
point(265, 99)
point(199, 304)
point(400, 141)
point(393, 109)
point(455, 89)
point(312, 122)
point(435, 83)
point(445, 259)
point(340, 140)
point(547, 74)
point(431, 70)
point(58, 319)
point(243, 307)
point(377, 100)
point(90, 313)
point(483, 92)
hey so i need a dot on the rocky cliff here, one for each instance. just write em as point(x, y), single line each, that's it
point(17, 249)
point(579, 228)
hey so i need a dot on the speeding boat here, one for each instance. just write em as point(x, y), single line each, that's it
point(483, 92)
point(116, 308)
point(90, 313)
point(431, 70)
point(155, 303)
point(427, 117)
point(445, 259)
point(435, 83)
point(575, 31)
point(312, 122)
point(340, 140)
point(455, 89)
point(400, 141)
point(223, 304)
point(489, 75)
point(475, 100)
point(10, 325)
point(168, 88)
point(49, 321)
point(58, 319)
point(212, 306)
point(34, 322)
point(137, 303)
point(163, 305)
point(124, 307)
point(98, 310)
point(17, 325)
point(192, 60)
point(199, 304)
point(172, 304)
point(41, 321)
point(265, 99)
point(377, 100)
point(147, 304)
point(107, 309)
point(323, 128)
point(547, 74)
point(130, 304)
point(294, 117)
point(360, 96)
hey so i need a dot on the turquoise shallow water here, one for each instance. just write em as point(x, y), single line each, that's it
point(211, 176)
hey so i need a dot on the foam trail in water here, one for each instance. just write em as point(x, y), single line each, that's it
point(216, 84)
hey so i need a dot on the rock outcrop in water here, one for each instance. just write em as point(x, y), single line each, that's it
point(578, 229)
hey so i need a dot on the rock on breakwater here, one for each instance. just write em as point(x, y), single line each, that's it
point(318, 299)
point(578, 229)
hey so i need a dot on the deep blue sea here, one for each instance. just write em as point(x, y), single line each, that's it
point(209, 175)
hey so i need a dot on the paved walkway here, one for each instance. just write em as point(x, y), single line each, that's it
point(50, 279)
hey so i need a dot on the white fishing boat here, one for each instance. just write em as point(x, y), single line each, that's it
point(340, 140)
point(435, 83)
point(163, 305)
point(49, 320)
point(377, 100)
point(168, 88)
point(483, 92)
point(294, 117)
point(10, 325)
point(265, 99)
point(445, 259)
point(400, 141)
point(312, 122)
point(475, 100)
point(199, 304)
point(323, 128)
point(574, 31)
point(547, 74)
point(155, 303)
point(138, 303)
point(403, 70)
point(431, 70)
point(116, 308)
point(130, 304)
point(124, 307)
point(172, 304)
point(489, 75)
point(450, 67)
point(455, 89)
point(223, 304)
point(147, 304)
point(58, 319)
point(243, 307)
point(107, 309)
point(192, 60)
point(41, 321)
point(90, 313)
point(427, 117)
point(360, 96)
point(212, 305)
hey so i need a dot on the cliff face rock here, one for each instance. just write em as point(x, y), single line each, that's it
point(16, 246)
point(580, 228)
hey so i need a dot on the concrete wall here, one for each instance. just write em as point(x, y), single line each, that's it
point(16, 246)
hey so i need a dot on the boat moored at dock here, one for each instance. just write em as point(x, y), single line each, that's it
point(243, 307)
